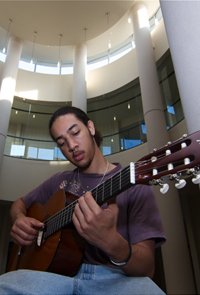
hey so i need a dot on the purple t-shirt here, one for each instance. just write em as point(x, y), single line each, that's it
point(138, 218)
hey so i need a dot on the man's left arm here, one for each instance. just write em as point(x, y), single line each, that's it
point(99, 227)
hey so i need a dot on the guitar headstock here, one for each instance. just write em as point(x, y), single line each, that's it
point(172, 162)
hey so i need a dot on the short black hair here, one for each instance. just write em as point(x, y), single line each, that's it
point(79, 114)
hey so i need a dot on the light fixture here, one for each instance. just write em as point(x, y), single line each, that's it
point(129, 106)
point(35, 34)
point(33, 116)
point(60, 36)
point(129, 20)
point(4, 49)
point(109, 43)
point(115, 118)
point(85, 30)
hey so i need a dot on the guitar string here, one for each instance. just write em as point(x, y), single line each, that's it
point(71, 206)
point(103, 187)
point(100, 191)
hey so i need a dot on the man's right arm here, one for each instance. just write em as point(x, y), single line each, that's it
point(24, 230)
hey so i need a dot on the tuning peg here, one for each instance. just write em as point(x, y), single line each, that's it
point(164, 188)
point(196, 179)
point(180, 183)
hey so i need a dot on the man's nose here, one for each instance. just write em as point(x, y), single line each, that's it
point(72, 145)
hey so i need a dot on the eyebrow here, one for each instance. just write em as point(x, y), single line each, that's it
point(68, 130)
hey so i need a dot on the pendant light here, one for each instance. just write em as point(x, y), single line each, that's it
point(35, 34)
point(5, 49)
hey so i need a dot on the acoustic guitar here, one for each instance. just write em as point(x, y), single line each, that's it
point(59, 248)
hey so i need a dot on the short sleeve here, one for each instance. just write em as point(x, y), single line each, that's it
point(142, 215)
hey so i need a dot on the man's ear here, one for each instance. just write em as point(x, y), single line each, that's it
point(91, 127)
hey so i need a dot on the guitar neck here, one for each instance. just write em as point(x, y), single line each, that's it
point(114, 185)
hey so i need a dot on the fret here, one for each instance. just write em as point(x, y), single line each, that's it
point(120, 180)
point(103, 191)
point(116, 183)
point(107, 189)
point(111, 187)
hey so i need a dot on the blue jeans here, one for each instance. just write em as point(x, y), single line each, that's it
point(90, 279)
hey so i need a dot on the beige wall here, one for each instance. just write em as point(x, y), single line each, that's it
point(19, 176)
point(100, 81)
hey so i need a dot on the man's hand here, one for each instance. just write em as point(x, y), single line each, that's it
point(98, 226)
point(24, 230)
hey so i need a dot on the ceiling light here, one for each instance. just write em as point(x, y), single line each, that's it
point(129, 20)
point(35, 34)
point(60, 36)
point(129, 106)
point(4, 49)
point(114, 118)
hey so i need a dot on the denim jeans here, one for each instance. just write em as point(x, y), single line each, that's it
point(91, 279)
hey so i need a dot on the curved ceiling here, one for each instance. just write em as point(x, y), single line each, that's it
point(69, 18)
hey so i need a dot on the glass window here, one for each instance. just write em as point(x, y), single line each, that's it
point(26, 66)
point(2, 57)
point(17, 150)
point(170, 93)
point(46, 154)
point(47, 70)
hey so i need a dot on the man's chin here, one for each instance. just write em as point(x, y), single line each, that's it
point(82, 166)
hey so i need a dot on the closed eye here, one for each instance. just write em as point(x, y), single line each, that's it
point(61, 143)
point(76, 133)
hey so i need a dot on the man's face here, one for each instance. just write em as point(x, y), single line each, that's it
point(74, 140)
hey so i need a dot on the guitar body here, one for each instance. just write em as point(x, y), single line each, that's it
point(60, 253)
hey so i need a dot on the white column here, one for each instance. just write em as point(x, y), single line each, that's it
point(176, 258)
point(8, 83)
point(182, 24)
point(79, 98)
point(157, 134)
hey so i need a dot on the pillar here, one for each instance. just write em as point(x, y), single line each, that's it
point(176, 258)
point(79, 98)
point(181, 19)
point(8, 83)
point(157, 134)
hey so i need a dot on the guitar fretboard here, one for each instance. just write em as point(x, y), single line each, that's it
point(114, 185)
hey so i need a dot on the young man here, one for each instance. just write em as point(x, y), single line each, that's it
point(120, 236)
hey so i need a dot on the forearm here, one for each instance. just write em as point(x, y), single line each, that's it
point(17, 210)
point(141, 262)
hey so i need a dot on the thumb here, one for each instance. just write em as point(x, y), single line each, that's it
point(35, 223)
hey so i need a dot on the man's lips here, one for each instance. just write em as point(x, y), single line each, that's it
point(78, 156)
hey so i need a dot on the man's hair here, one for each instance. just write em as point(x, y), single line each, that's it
point(80, 115)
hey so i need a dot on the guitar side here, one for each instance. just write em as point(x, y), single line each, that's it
point(60, 253)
